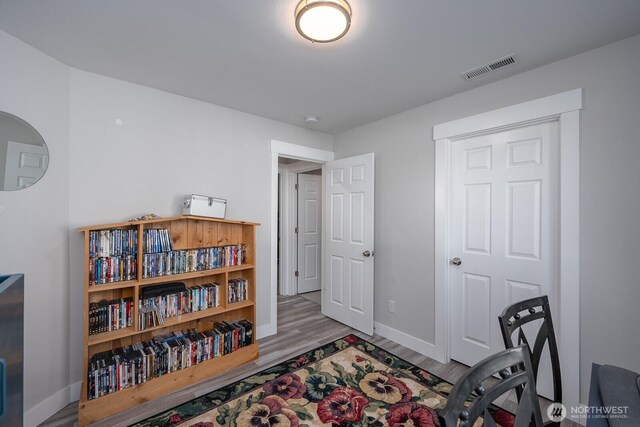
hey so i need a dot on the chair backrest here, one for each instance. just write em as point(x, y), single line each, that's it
point(458, 412)
point(514, 317)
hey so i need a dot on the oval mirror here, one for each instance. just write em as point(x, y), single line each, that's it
point(24, 156)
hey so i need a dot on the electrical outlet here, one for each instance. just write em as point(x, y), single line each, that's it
point(392, 306)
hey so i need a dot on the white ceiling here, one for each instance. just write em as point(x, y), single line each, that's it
point(246, 54)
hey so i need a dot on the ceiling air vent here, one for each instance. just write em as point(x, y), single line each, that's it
point(487, 68)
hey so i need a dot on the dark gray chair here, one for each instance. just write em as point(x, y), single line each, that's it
point(470, 386)
point(514, 317)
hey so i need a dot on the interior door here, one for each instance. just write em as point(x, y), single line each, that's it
point(309, 232)
point(503, 244)
point(25, 165)
point(347, 262)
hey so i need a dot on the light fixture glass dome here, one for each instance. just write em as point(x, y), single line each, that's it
point(323, 21)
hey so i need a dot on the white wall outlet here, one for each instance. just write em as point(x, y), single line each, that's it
point(392, 306)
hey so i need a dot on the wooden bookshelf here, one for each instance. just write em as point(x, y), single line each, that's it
point(187, 232)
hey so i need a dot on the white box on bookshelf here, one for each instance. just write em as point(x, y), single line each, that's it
point(198, 205)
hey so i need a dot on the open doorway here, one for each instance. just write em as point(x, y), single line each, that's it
point(292, 153)
point(299, 228)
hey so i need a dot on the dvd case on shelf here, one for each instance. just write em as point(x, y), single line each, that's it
point(157, 240)
point(238, 290)
point(113, 243)
point(123, 367)
point(113, 256)
point(109, 315)
point(153, 311)
point(190, 260)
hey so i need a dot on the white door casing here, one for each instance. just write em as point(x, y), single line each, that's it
point(25, 165)
point(348, 241)
point(564, 108)
point(504, 230)
point(309, 232)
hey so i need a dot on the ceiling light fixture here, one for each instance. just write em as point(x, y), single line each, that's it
point(323, 21)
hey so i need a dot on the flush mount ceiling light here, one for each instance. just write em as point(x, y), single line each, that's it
point(323, 21)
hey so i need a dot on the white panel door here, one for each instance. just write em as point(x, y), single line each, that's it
point(504, 230)
point(347, 263)
point(309, 228)
point(26, 163)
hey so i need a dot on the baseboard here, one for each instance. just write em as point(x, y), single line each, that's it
point(48, 407)
point(264, 331)
point(74, 391)
point(404, 339)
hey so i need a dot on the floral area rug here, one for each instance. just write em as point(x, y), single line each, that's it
point(349, 382)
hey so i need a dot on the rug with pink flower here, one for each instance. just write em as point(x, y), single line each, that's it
point(349, 382)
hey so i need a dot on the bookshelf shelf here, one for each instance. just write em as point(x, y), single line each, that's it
point(182, 233)
point(238, 305)
point(110, 336)
point(112, 286)
point(203, 273)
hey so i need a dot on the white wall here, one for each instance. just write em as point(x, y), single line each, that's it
point(34, 223)
point(609, 197)
point(168, 146)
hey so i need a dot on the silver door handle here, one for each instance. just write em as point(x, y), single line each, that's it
point(456, 261)
point(367, 254)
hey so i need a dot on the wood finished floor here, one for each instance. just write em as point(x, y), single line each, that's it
point(301, 328)
point(312, 296)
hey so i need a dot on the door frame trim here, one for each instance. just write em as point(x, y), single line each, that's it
point(565, 109)
point(291, 151)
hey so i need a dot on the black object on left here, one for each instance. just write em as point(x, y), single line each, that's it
point(11, 349)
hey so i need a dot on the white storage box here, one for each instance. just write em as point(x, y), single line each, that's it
point(204, 206)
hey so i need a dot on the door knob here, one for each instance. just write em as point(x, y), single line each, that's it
point(367, 254)
point(456, 261)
